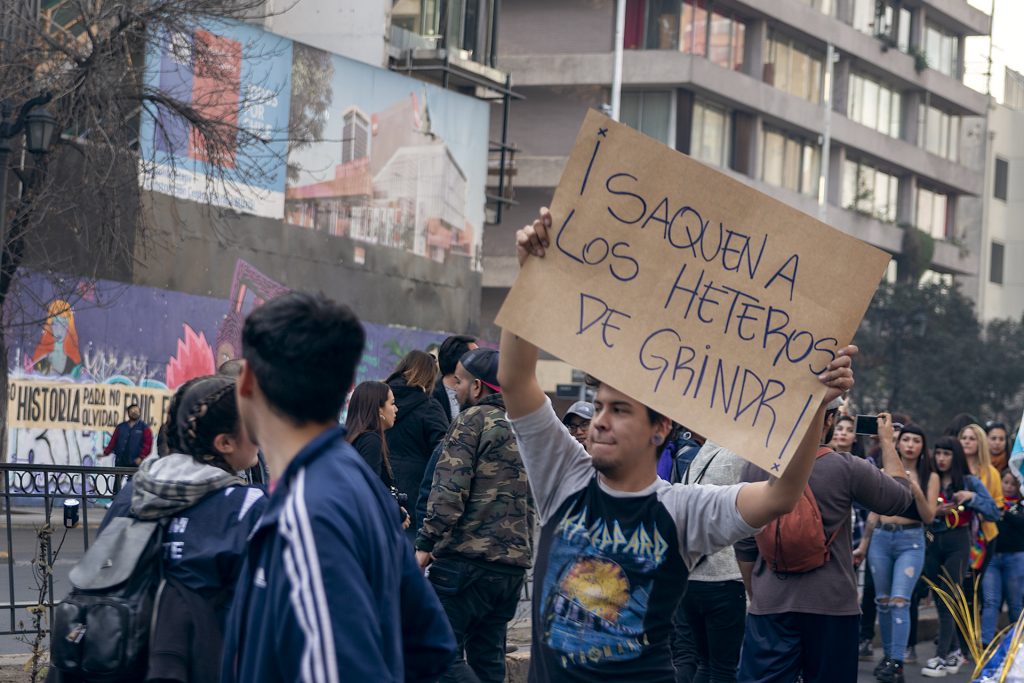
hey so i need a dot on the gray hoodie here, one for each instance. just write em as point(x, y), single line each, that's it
point(167, 485)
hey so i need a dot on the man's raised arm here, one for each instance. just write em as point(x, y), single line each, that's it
point(761, 502)
point(517, 362)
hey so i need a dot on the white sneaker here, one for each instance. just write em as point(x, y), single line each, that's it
point(954, 661)
point(935, 668)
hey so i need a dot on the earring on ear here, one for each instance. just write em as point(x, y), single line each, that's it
point(657, 440)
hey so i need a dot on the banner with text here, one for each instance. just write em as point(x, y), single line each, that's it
point(701, 297)
point(86, 407)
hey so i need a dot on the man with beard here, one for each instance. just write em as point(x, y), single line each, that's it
point(476, 535)
point(131, 443)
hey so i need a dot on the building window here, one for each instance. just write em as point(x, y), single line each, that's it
point(688, 26)
point(1013, 89)
point(464, 24)
point(355, 135)
point(709, 136)
point(864, 16)
point(995, 269)
point(933, 213)
point(942, 50)
point(891, 271)
point(793, 67)
point(725, 41)
point(931, 277)
point(891, 24)
point(651, 113)
point(790, 161)
point(939, 132)
point(869, 191)
point(874, 105)
point(1002, 179)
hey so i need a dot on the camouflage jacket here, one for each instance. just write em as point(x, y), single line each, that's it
point(480, 506)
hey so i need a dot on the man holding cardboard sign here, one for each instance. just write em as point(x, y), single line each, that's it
point(617, 542)
point(657, 275)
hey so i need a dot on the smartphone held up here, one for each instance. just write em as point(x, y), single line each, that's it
point(868, 425)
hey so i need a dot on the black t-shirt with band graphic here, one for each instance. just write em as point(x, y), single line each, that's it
point(611, 566)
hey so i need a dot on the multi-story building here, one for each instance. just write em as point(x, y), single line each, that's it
point(1000, 286)
point(744, 86)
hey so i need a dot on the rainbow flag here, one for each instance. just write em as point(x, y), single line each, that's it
point(1016, 463)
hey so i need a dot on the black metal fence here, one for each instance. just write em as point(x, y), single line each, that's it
point(44, 488)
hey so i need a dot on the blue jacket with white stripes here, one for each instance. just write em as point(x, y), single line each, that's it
point(330, 589)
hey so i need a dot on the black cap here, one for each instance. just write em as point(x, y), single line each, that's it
point(482, 364)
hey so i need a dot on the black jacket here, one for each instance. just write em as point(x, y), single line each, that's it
point(420, 426)
point(370, 446)
point(188, 636)
point(1011, 530)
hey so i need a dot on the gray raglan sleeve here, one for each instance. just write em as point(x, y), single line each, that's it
point(877, 491)
point(556, 463)
point(706, 518)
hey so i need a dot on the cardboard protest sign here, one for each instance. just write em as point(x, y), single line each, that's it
point(701, 297)
point(87, 407)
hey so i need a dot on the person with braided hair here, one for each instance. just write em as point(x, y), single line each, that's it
point(209, 512)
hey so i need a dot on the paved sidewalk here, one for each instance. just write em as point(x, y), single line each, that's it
point(12, 669)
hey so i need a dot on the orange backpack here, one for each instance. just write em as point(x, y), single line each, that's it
point(796, 542)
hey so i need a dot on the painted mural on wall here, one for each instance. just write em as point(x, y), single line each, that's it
point(76, 364)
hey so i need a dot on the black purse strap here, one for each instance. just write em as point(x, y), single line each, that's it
point(703, 471)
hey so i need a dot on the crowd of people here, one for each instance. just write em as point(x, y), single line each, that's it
point(965, 525)
point(397, 546)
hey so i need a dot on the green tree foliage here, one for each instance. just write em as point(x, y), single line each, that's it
point(924, 353)
point(312, 73)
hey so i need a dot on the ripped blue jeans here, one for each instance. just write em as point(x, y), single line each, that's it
point(896, 559)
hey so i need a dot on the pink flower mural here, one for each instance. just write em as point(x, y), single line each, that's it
point(194, 359)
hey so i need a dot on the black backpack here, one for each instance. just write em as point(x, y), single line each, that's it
point(101, 629)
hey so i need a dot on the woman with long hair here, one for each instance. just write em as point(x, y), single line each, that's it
point(961, 498)
point(974, 441)
point(419, 426)
point(210, 512)
point(844, 435)
point(895, 546)
point(57, 352)
point(997, 435)
point(371, 412)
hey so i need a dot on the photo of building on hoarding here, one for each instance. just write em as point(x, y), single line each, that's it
point(397, 185)
point(387, 174)
point(352, 150)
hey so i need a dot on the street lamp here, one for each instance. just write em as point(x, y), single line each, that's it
point(38, 126)
point(39, 129)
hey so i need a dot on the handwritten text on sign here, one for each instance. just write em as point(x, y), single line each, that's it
point(704, 298)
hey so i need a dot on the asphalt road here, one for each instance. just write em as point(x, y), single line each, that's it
point(17, 565)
